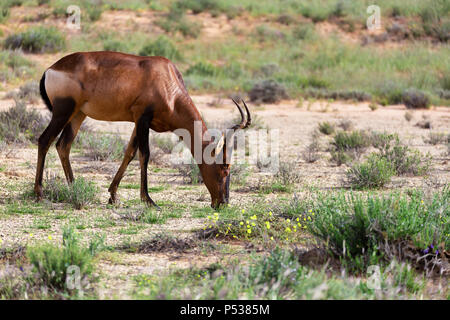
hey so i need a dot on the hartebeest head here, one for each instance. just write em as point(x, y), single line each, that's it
point(217, 175)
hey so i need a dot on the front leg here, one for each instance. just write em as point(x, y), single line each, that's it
point(142, 132)
point(130, 152)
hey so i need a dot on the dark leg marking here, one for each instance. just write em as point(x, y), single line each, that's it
point(63, 109)
point(142, 131)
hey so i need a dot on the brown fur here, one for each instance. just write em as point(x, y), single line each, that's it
point(112, 86)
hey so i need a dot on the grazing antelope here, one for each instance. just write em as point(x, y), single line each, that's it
point(112, 86)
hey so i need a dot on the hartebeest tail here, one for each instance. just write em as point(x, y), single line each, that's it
point(112, 86)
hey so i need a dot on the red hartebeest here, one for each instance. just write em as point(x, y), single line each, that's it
point(112, 86)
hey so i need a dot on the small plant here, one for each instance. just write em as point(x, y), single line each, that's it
point(348, 145)
point(345, 125)
point(164, 143)
point(409, 116)
point(287, 174)
point(414, 99)
point(19, 124)
point(311, 153)
point(435, 138)
point(239, 173)
point(29, 92)
point(267, 91)
point(162, 46)
point(326, 128)
point(52, 263)
point(101, 146)
point(373, 173)
point(190, 172)
point(373, 106)
point(79, 193)
point(37, 40)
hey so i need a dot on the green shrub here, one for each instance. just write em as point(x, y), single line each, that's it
point(162, 46)
point(203, 69)
point(164, 143)
point(4, 13)
point(415, 99)
point(267, 91)
point(373, 173)
point(239, 173)
point(19, 124)
point(356, 141)
point(190, 172)
point(29, 92)
point(51, 262)
point(360, 228)
point(37, 40)
point(115, 45)
point(101, 146)
point(197, 6)
point(13, 64)
point(326, 128)
point(79, 193)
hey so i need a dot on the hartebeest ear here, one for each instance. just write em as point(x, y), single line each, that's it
point(219, 146)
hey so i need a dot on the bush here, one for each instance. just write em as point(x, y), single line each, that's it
point(435, 138)
point(303, 32)
point(197, 6)
point(13, 64)
point(161, 47)
point(19, 124)
point(287, 174)
point(79, 193)
point(29, 92)
point(190, 172)
point(357, 141)
point(164, 143)
point(267, 91)
point(52, 262)
point(415, 99)
point(101, 146)
point(239, 173)
point(373, 173)
point(326, 128)
point(360, 228)
point(203, 69)
point(37, 40)
point(115, 45)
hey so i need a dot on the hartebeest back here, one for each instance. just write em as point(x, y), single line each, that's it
point(112, 86)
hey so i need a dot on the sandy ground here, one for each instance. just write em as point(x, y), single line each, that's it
point(295, 125)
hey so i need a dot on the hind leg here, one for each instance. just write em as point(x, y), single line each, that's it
point(63, 110)
point(130, 152)
point(65, 143)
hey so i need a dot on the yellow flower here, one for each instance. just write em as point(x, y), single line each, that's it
point(253, 217)
point(50, 237)
point(241, 223)
point(288, 220)
point(247, 222)
point(288, 229)
point(243, 210)
point(298, 219)
point(267, 224)
point(270, 213)
point(271, 238)
point(310, 210)
point(253, 224)
point(299, 224)
point(249, 231)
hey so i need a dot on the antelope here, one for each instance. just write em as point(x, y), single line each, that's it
point(148, 91)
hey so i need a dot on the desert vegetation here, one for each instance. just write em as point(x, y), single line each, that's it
point(362, 174)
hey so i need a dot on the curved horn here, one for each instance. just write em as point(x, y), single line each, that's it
point(249, 118)
point(242, 124)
